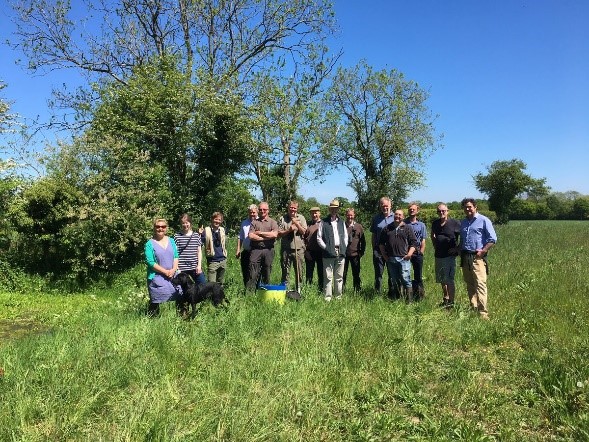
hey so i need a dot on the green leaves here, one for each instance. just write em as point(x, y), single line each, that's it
point(381, 131)
point(504, 181)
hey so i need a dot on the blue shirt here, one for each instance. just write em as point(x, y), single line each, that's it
point(244, 230)
point(475, 233)
point(420, 232)
point(379, 222)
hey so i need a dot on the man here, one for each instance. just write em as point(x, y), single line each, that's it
point(356, 248)
point(397, 243)
point(291, 228)
point(262, 234)
point(313, 253)
point(477, 236)
point(445, 239)
point(214, 242)
point(379, 222)
point(332, 237)
point(243, 242)
point(417, 258)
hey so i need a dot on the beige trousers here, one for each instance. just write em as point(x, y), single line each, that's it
point(476, 285)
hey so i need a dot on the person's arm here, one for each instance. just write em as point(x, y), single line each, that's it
point(423, 236)
point(199, 260)
point(362, 243)
point(411, 242)
point(381, 245)
point(320, 241)
point(238, 251)
point(283, 229)
point(299, 226)
point(489, 238)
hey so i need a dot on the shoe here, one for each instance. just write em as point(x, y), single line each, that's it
point(327, 298)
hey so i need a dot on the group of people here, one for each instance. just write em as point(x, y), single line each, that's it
point(329, 246)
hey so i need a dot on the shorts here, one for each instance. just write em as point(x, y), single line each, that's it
point(445, 269)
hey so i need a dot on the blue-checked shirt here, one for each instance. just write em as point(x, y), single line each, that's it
point(419, 230)
point(475, 233)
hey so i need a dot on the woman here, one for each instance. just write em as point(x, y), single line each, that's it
point(189, 250)
point(214, 241)
point(161, 257)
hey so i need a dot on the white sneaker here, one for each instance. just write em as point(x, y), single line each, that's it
point(327, 298)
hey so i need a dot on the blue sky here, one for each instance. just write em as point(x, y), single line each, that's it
point(508, 79)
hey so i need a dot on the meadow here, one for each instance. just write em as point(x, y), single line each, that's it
point(92, 366)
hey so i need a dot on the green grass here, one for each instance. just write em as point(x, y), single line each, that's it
point(95, 368)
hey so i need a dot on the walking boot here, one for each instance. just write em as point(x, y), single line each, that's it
point(153, 310)
point(408, 294)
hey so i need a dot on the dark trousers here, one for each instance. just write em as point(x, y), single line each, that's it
point(260, 267)
point(417, 264)
point(312, 258)
point(244, 261)
point(354, 262)
point(379, 265)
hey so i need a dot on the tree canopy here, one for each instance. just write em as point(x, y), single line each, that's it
point(381, 130)
point(504, 181)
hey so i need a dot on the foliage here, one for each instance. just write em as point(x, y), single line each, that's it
point(92, 212)
point(183, 127)
point(363, 368)
point(231, 198)
point(383, 132)
point(224, 42)
point(288, 118)
point(504, 181)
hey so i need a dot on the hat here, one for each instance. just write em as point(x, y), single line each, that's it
point(314, 209)
point(334, 203)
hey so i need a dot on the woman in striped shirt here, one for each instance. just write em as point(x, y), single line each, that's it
point(189, 250)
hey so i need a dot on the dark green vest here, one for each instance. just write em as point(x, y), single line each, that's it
point(328, 238)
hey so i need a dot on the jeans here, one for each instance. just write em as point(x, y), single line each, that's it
point(399, 275)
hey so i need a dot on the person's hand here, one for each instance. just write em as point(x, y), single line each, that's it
point(238, 253)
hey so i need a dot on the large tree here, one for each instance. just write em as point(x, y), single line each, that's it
point(287, 118)
point(504, 181)
point(383, 132)
point(185, 127)
point(222, 41)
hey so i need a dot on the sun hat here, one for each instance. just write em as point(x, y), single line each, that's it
point(334, 203)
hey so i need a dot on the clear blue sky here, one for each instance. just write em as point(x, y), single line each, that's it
point(508, 79)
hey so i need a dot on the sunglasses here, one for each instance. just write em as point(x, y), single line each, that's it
point(161, 227)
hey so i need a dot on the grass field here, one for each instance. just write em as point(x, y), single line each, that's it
point(93, 367)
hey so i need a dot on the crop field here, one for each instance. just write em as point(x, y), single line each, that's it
point(92, 366)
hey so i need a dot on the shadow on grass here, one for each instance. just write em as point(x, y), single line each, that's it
point(11, 329)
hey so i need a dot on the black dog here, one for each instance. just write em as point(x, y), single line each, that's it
point(195, 293)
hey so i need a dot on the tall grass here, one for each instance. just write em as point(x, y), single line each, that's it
point(363, 369)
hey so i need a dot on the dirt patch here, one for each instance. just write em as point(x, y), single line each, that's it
point(11, 329)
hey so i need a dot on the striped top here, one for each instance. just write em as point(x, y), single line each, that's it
point(188, 246)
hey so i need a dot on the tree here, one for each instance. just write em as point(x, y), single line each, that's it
point(382, 134)
point(223, 42)
point(288, 119)
point(504, 181)
point(184, 127)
